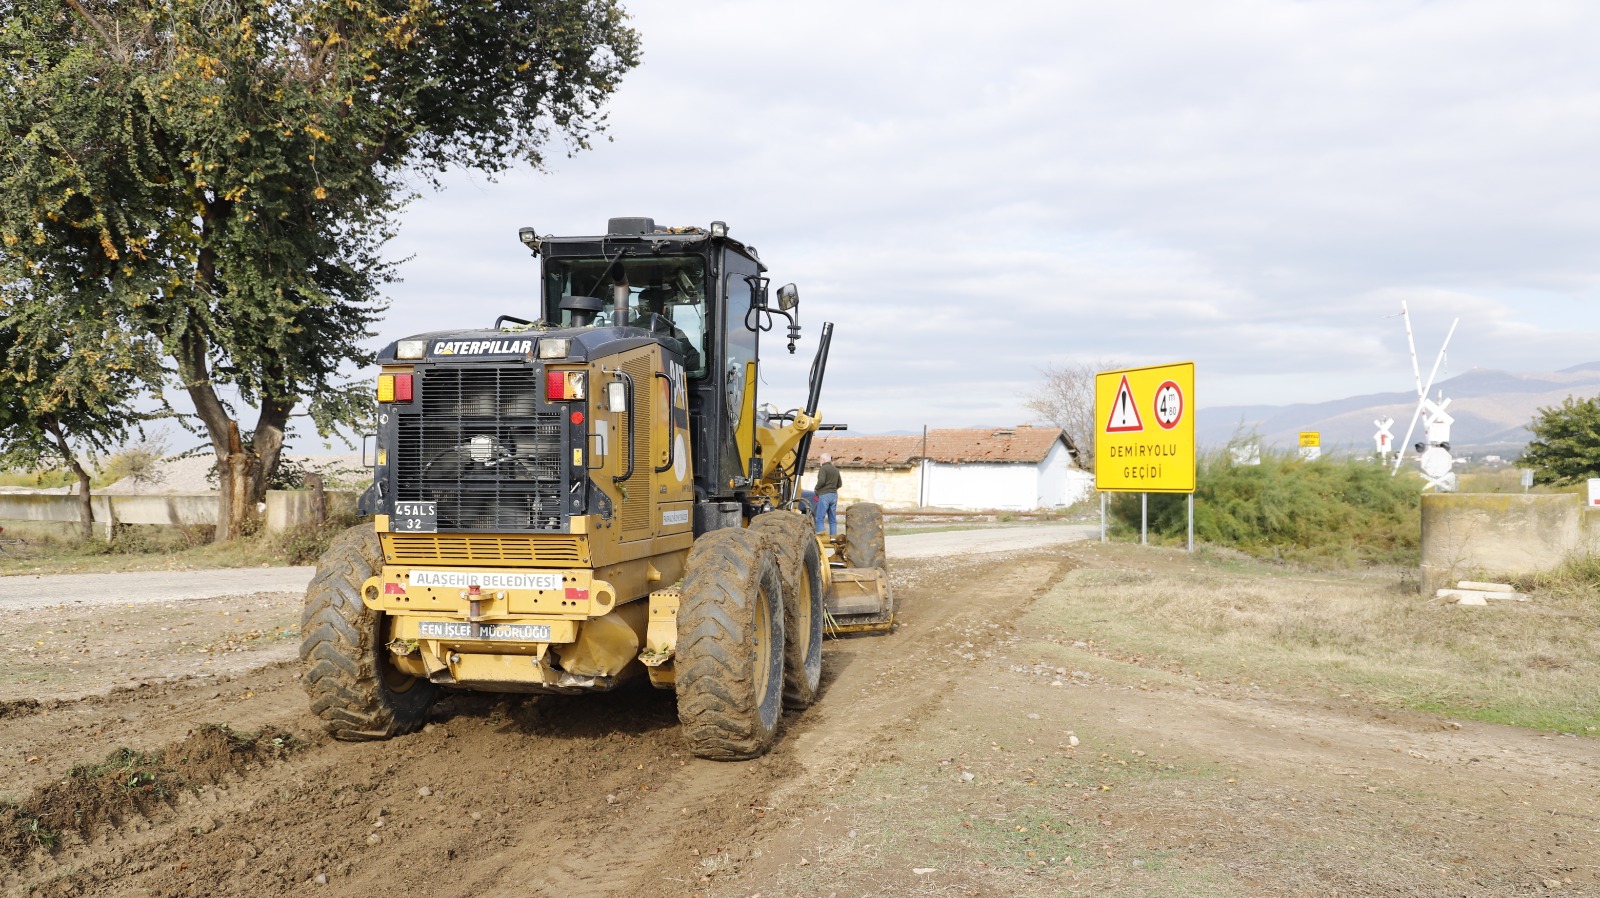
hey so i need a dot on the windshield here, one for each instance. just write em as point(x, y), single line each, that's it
point(665, 294)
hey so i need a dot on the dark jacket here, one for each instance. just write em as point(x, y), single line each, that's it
point(828, 479)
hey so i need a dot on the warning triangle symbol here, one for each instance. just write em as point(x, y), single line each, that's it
point(1124, 411)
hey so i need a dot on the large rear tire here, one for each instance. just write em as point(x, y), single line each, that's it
point(353, 686)
point(800, 562)
point(863, 536)
point(729, 660)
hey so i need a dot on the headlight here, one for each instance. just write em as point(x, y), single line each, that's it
point(483, 449)
point(554, 347)
point(411, 349)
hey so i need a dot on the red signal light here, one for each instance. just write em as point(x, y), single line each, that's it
point(402, 388)
point(555, 385)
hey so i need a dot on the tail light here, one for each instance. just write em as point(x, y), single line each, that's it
point(564, 385)
point(394, 388)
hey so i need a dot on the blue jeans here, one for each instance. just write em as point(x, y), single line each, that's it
point(827, 507)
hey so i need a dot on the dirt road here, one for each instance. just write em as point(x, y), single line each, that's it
point(21, 592)
point(972, 752)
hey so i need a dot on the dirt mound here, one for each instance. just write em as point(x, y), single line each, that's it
point(19, 707)
point(129, 783)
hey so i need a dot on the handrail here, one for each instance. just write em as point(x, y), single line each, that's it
point(672, 426)
point(627, 379)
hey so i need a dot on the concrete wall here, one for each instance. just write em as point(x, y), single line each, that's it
point(287, 507)
point(1471, 535)
point(1060, 483)
point(889, 487)
point(1051, 484)
point(983, 485)
point(167, 510)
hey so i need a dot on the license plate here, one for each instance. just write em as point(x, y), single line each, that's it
point(446, 629)
point(415, 517)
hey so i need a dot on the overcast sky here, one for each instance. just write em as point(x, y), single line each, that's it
point(973, 192)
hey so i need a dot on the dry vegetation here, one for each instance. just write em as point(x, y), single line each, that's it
point(1159, 724)
point(1367, 634)
point(57, 549)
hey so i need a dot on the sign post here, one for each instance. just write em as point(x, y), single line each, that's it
point(1310, 444)
point(1384, 438)
point(1144, 439)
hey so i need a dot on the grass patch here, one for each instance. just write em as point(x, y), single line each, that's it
point(53, 550)
point(1526, 664)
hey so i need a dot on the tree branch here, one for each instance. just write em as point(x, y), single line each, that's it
point(105, 36)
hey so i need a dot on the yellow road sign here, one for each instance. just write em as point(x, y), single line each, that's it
point(1309, 438)
point(1144, 435)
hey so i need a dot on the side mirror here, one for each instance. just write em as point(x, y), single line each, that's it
point(788, 297)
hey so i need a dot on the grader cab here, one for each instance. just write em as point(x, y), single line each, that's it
point(592, 496)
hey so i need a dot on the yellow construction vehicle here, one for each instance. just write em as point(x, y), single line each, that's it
point(595, 496)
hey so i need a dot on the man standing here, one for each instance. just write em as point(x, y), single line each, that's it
point(828, 483)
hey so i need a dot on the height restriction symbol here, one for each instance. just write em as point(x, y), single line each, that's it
point(1169, 405)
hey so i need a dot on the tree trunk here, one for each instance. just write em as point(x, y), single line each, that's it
point(242, 471)
point(239, 480)
point(319, 499)
point(268, 442)
point(85, 503)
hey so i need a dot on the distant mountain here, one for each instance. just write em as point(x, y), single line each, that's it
point(1491, 409)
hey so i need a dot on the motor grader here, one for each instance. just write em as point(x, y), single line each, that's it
point(591, 496)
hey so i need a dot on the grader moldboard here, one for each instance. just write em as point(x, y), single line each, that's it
point(570, 503)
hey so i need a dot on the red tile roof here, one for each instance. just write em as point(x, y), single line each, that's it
point(1018, 445)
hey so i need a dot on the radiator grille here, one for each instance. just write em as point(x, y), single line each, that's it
point(474, 549)
point(481, 450)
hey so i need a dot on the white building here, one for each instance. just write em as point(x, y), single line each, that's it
point(1010, 469)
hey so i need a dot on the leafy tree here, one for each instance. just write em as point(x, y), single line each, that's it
point(221, 176)
point(58, 404)
point(1066, 398)
point(1566, 442)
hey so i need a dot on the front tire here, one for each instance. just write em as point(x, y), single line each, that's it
point(353, 686)
point(730, 646)
point(863, 536)
point(800, 562)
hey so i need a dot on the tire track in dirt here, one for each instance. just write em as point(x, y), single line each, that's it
point(891, 685)
point(577, 797)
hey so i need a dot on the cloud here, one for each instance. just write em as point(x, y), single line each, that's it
point(975, 193)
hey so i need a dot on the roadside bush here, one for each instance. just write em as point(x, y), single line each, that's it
point(46, 479)
point(1333, 510)
point(304, 545)
point(139, 464)
point(1578, 575)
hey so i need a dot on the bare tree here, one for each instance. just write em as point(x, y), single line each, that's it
point(1066, 398)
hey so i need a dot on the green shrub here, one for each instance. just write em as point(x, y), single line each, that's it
point(306, 544)
point(1333, 510)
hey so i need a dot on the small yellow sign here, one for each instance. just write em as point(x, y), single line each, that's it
point(1144, 434)
point(1310, 438)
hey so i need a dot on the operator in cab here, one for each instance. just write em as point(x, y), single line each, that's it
point(652, 315)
